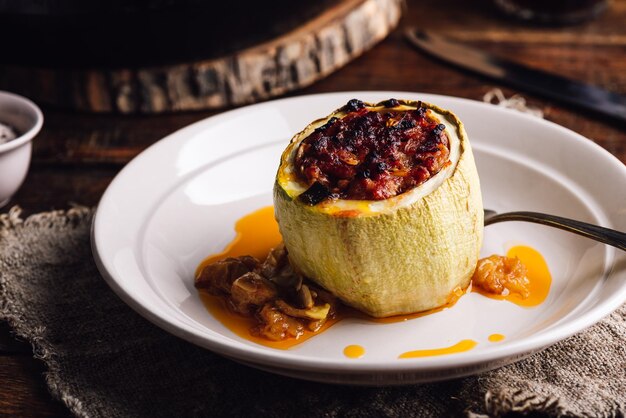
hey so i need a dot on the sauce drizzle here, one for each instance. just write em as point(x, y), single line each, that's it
point(461, 346)
point(257, 233)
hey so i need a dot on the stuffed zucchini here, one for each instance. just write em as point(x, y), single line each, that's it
point(380, 204)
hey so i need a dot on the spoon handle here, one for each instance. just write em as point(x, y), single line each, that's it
point(598, 233)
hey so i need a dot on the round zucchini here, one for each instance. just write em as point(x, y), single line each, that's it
point(407, 253)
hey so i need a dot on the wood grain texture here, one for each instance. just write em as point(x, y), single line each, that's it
point(24, 393)
point(294, 60)
point(77, 155)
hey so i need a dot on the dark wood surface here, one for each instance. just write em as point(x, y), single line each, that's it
point(301, 43)
point(77, 155)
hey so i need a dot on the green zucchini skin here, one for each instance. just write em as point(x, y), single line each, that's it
point(406, 259)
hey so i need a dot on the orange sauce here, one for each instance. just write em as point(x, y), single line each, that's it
point(257, 233)
point(494, 338)
point(461, 346)
point(241, 325)
point(353, 313)
point(354, 351)
point(538, 276)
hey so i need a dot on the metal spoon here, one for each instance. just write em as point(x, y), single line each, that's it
point(598, 233)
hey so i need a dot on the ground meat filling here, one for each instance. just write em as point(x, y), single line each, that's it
point(371, 155)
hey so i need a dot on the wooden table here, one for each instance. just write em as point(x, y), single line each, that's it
point(77, 155)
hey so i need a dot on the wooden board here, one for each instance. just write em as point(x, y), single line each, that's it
point(291, 61)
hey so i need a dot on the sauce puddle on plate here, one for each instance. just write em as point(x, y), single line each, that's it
point(241, 325)
point(494, 338)
point(354, 351)
point(538, 277)
point(257, 233)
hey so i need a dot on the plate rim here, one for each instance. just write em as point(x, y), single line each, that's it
point(268, 357)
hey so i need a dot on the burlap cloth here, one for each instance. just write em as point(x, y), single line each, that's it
point(105, 360)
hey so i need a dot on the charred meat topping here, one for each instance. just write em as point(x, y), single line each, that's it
point(371, 155)
point(353, 105)
point(315, 194)
point(390, 103)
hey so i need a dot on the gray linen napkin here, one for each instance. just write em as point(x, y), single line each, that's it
point(104, 360)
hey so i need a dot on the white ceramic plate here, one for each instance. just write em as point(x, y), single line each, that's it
point(178, 201)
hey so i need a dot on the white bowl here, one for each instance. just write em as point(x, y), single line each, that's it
point(26, 119)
